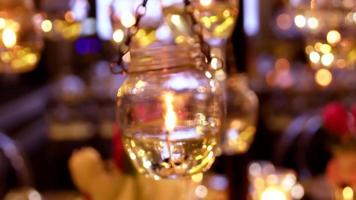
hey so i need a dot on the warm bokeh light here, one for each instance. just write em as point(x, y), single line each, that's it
point(327, 59)
point(300, 21)
point(46, 25)
point(2, 23)
point(127, 19)
point(325, 48)
point(314, 57)
point(273, 193)
point(323, 77)
point(118, 36)
point(348, 193)
point(313, 23)
point(206, 2)
point(297, 191)
point(197, 178)
point(333, 37)
point(9, 38)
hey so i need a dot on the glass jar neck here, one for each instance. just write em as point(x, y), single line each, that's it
point(163, 57)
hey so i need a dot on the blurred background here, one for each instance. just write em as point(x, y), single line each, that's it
point(58, 93)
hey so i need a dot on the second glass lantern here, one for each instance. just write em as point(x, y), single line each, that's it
point(169, 113)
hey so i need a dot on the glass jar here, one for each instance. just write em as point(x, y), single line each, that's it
point(169, 112)
point(20, 37)
point(240, 125)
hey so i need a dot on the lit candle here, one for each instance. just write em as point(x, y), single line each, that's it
point(170, 118)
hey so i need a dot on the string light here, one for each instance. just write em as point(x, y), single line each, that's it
point(300, 21)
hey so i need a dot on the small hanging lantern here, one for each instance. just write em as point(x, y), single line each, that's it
point(168, 109)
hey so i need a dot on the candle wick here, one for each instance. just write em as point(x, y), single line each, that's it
point(168, 141)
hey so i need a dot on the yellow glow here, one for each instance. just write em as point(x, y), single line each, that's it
point(327, 59)
point(9, 37)
point(300, 21)
point(206, 2)
point(197, 178)
point(46, 25)
point(170, 118)
point(313, 23)
point(333, 37)
point(206, 21)
point(2, 23)
point(224, 26)
point(118, 35)
point(325, 48)
point(347, 193)
point(226, 13)
point(323, 77)
point(273, 193)
point(127, 19)
point(314, 57)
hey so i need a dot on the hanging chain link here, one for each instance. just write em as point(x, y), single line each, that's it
point(197, 30)
point(119, 67)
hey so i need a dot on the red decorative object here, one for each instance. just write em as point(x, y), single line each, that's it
point(336, 118)
point(118, 147)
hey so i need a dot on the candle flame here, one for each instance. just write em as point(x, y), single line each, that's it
point(9, 37)
point(170, 118)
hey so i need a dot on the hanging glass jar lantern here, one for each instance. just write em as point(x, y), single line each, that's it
point(240, 125)
point(20, 39)
point(168, 112)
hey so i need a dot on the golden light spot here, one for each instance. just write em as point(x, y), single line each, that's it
point(2, 23)
point(226, 13)
point(309, 49)
point(9, 38)
point(347, 193)
point(118, 36)
point(317, 46)
point(197, 178)
point(46, 26)
point(323, 77)
point(206, 2)
point(273, 193)
point(300, 21)
point(325, 48)
point(333, 37)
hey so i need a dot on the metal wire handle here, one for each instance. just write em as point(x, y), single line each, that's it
point(119, 67)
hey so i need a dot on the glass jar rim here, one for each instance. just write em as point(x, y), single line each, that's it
point(164, 57)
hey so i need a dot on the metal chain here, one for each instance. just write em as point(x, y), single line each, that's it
point(198, 30)
point(124, 48)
